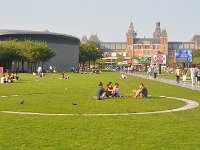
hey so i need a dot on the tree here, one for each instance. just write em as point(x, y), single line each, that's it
point(196, 56)
point(82, 54)
point(171, 62)
point(120, 58)
point(9, 53)
point(29, 51)
point(89, 52)
point(100, 62)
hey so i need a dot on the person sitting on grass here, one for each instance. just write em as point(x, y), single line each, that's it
point(142, 92)
point(3, 79)
point(109, 90)
point(115, 91)
point(123, 76)
point(62, 75)
point(100, 92)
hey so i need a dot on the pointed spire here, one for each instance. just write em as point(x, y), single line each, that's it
point(157, 32)
point(131, 25)
point(131, 31)
point(94, 38)
point(84, 39)
point(164, 33)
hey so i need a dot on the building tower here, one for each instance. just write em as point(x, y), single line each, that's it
point(164, 42)
point(130, 35)
point(94, 38)
point(84, 39)
point(157, 32)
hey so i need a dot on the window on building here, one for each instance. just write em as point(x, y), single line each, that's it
point(112, 46)
point(107, 46)
point(147, 47)
point(102, 46)
point(186, 46)
point(191, 46)
point(113, 54)
point(181, 46)
point(146, 52)
point(118, 46)
point(171, 55)
point(147, 42)
point(136, 47)
point(170, 46)
point(158, 47)
point(175, 46)
point(123, 46)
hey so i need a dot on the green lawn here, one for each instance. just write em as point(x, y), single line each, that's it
point(177, 130)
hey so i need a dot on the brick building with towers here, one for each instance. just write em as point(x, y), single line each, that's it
point(146, 47)
point(143, 47)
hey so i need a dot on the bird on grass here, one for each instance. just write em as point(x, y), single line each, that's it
point(74, 103)
point(22, 102)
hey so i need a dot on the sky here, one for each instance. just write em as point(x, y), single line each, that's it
point(109, 19)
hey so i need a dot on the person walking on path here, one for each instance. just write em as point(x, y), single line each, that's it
point(198, 75)
point(155, 71)
point(178, 74)
point(184, 73)
point(192, 74)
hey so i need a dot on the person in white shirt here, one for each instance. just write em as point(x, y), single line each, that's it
point(3, 79)
point(39, 71)
point(178, 74)
point(192, 72)
point(115, 91)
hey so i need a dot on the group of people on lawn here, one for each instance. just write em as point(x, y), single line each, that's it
point(113, 91)
point(9, 77)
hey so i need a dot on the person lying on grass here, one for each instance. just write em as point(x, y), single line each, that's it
point(142, 92)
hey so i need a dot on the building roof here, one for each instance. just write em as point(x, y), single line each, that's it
point(10, 31)
point(146, 41)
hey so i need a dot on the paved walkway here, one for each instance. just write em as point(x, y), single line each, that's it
point(185, 84)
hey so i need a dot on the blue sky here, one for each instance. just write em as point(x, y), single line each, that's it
point(109, 19)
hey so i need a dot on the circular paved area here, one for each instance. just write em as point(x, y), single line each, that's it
point(189, 105)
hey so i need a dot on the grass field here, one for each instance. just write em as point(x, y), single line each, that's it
point(177, 130)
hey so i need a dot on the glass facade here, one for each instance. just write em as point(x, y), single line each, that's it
point(181, 45)
point(113, 46)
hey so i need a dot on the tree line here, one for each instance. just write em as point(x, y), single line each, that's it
point(31, 52)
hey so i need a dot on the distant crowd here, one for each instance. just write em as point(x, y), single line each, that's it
point(194, 72)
